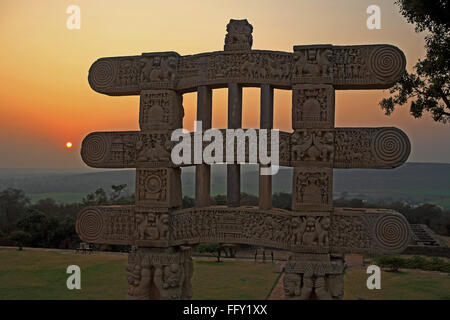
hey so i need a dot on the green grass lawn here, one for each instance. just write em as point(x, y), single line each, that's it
point(39, 274)
point(407, 285)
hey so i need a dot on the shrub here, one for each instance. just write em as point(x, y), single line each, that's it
point(20, 237)
point(393, 262)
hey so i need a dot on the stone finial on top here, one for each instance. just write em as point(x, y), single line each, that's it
point(239, 36)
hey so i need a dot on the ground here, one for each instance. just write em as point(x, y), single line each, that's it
point(41, 274)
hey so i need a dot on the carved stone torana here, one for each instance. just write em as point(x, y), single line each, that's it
point(159, 274)
point(316, 233)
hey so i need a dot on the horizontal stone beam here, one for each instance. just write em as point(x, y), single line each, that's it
point(345, 230)
point(376, 148)
point(345, 67)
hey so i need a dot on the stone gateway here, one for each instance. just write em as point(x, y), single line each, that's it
point(316, 234)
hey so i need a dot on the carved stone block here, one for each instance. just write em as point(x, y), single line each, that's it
point(312, 147)
point(158, 187)
point(160, 110)
point(151, 227)
point(312, 106)
point(155, 274)
point(239, 36)
point(312, 189)
point(310, 276)
point(313, 64)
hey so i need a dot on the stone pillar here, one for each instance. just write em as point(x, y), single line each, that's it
point(266, 122)
point(155, 270)
point(234, 122)
point(314, 276)
point(155, 274)
point(203, 171)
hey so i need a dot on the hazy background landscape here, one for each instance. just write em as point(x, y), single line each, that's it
point(413, 183)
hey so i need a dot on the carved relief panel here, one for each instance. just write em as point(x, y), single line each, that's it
point(151, 227)
point(158, 187)
point(313, 64)
point(159, 274)
point(312, 106)
point(160, 110)
point(312, 189)
point(312, 147)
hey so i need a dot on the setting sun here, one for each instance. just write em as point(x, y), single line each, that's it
point(69, 144)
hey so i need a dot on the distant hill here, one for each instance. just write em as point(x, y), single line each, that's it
point(412, 182)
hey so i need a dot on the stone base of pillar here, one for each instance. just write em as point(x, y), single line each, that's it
point(314, 276)
point(160, 274)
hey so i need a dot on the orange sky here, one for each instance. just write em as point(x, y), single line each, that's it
point(45, 98)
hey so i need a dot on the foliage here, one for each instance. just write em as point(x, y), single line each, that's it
point(393, 262)
point(12, 205)
point(416, 262)
point(49, 224)
point(187, 202)
point(219, 200)
point(428, 88)
point(211, 248)
point(282, 200)
point(20, 237)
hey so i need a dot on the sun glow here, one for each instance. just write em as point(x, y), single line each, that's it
point(69, 144)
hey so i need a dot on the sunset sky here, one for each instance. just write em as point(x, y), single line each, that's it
point(46, 101)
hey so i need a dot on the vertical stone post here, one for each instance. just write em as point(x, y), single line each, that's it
point(316, 275)
point(203, 171)
point(234, 122)
point(266, 122)
point(155, 270)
